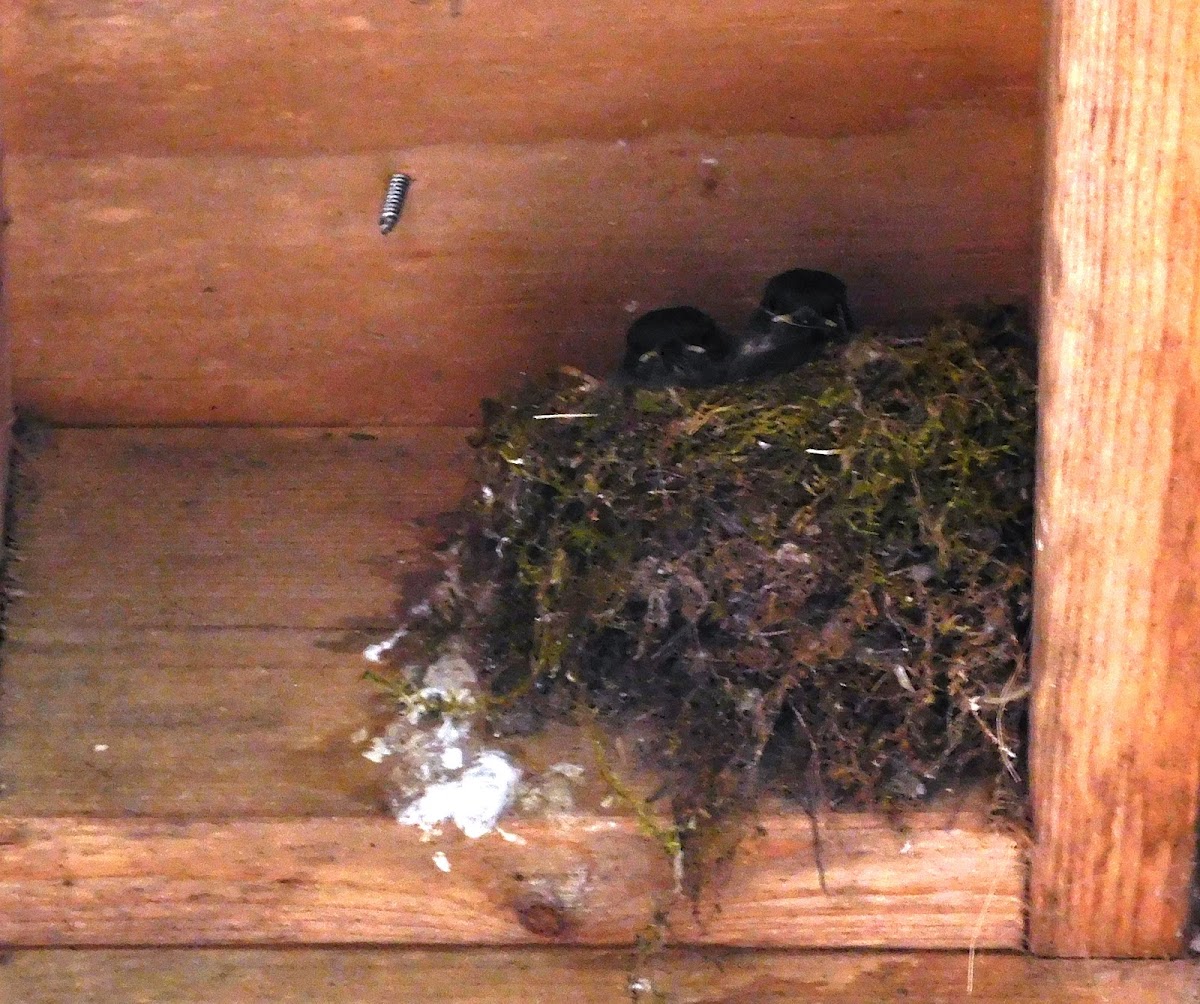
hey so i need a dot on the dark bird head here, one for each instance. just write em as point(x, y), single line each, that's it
point(804, 299)
point(800, 311)
point(675, 346)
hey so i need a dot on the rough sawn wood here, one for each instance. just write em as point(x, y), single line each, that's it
point(1115, 748)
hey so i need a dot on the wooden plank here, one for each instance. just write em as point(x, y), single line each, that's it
point(492, 976)
point(274, 77)
point(195, 528)
point(196, 602)
point(1115, 752)
point(538, 975)
point(67, 881)
point(258, 291)
point(186, 722)
point(6, 408)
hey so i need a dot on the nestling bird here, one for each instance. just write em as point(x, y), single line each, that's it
point(804, 298)
point(800, 311)
point(676, 346)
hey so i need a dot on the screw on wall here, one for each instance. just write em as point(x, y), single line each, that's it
point(393, 202)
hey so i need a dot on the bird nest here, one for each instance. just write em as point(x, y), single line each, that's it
point(817, 584)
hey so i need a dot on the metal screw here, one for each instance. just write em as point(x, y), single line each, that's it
point(393, 202)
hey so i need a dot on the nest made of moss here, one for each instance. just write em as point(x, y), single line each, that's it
point(819, 582)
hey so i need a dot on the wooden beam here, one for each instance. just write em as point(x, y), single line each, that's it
point(509, 976)
point(1116, 749)
point(6, 408)
point(276, 78)
point(248, 290)
point(578, 880)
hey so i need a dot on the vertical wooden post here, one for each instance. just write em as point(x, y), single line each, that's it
point(1115, 757)
point(6, 403)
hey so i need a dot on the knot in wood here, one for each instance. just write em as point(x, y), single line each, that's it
point(542, 914)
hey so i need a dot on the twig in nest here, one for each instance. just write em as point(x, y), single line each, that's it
point(565, 415)
point(811, 798)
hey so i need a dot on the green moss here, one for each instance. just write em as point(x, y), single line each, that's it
point(649, 823)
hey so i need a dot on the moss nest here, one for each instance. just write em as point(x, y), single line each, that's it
point(817, 584)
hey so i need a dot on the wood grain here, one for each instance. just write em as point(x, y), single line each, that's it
point(6, 407)
point(538, 975)
point(1116, 751)
point(186, 643)
point(195, 190)
point(258, 291)
point(255, 881)
point(228, 528)
point(197, 601)
point(273, 77)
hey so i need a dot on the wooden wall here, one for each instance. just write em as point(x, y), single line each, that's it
point(1114, 750)
point(195, 186)
point(6, 409)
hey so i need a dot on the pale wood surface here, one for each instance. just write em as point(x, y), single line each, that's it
point(196, 601)
point(1116, 748)
point(6, 409)
point(588, 880)
point(540, 976)
point(277, 78)
point(195, 191)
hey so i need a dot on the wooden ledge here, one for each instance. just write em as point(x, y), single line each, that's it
point(570, 880)
point(511, 975)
